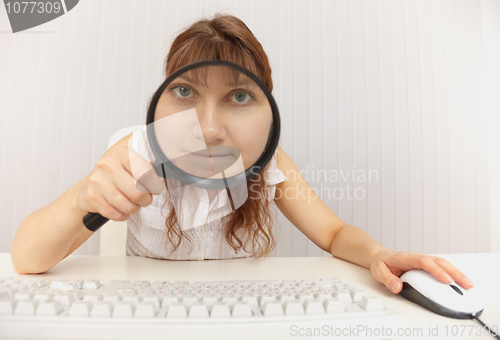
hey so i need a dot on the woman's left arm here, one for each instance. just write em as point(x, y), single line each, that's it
point(301, 206)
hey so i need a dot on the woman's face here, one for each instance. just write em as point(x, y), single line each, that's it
point(213, 119)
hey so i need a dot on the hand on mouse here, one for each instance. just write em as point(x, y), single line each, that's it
point(388, 265)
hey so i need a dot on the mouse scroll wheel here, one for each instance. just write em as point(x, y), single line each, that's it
point(455, 288)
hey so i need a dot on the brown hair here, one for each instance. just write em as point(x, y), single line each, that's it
point(225, 37)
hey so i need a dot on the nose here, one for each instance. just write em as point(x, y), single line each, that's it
point(211, 122)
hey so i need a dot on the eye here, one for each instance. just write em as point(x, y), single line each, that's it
point(241, 97)
point(183, 92)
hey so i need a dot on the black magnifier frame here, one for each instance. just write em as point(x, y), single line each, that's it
point(166, 169)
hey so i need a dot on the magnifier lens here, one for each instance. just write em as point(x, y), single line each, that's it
point(211, 125)
point(212, 122)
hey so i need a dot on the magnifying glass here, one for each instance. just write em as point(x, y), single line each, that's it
point(212, 124)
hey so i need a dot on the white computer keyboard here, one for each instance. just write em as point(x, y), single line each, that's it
point(89, 309)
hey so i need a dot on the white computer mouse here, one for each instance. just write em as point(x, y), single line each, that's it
point(449, 300)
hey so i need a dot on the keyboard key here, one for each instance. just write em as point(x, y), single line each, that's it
point(41, 283)
point(357, 295)
point(242, 309)
point(79, 282)
point(230, 300)
point(177, 310)
point(169, 299)
point(80, 308)
point(304, 296)
point(70, 285)
point(160, 284)
point(263, 299)
point(307, 282)
point(371, 303)
point(327, 281)
point(66, 299)
point(123, 310)
point(91, 284)
point(272, 308)
point(93, 297)
point(189, 300)
point(252, 300)
point(112, 297)
point(145, 310)
point(220, 310)
point(101, 309)
point(353, 308)
point(162, 313)
point(7, 306)
point(141, 284)
point(291, 283)
point(322, 295)
point(23, 296)
point(27, 307)
point(144, 291)
point(35, 283)
point(342, 295)
point(57, 284)
point(119, 284)
point(284, 297)
point(21, 287)
point(314, 307)
point(294, 307)
point(77, 294)
point(5, 280)
point(49, 308)
point(153, 299)
point(210, 299)
point(198, 310)
point(11, 291)
point(333, 306)
point(131, 297)
point(43, 296)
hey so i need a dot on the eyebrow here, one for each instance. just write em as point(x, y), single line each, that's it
point(248, 83)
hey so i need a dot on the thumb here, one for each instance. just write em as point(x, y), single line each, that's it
point(150, 182)
point(385, 276)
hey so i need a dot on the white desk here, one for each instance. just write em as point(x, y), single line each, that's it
point(482, 269)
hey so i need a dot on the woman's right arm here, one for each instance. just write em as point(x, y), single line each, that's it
point(50, 234)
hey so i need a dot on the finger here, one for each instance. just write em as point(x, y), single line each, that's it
point(453, 271)
point(113, 213)
point(125, 185)
point(150, 182)
point(105, 209)
point(143, 173)
point(120, 201)
point(427, 263)
point(382, 274)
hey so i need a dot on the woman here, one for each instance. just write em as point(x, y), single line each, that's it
point(50, 234)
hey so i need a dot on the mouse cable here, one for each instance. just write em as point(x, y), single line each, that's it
point(488, 328)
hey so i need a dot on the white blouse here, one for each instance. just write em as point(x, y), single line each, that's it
point(147, 233)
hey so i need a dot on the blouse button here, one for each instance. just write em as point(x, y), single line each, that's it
point(202, 230)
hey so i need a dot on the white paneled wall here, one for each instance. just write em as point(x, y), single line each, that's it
point(382, 103)
point(490, 11)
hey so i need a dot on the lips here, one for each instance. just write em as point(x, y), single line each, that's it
point(214, 151)
point(206, 154)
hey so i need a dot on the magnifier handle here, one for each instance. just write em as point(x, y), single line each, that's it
point(94, 221)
